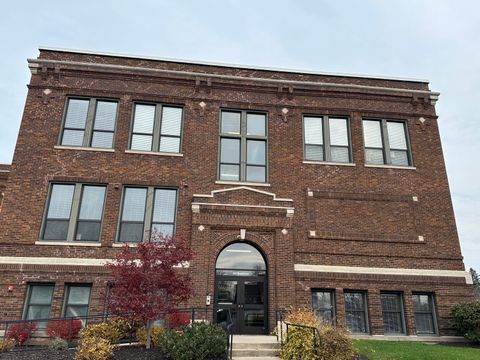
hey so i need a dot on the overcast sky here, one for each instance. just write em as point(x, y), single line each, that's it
point(438, 40)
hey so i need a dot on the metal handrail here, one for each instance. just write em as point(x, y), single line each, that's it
point(314, 330)
point(195, 315)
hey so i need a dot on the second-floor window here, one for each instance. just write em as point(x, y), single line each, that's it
point(386, 143)
point(89, 123)
point(147, 211)
point(243, 146)
point(74, 212)
point(157, 128)
point(326, 138)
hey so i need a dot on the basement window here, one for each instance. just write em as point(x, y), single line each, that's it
point(323, 304)
point(89, 122)
point(424, 310)
point(393, 314)
point(356, 312)
point(77, 301)
point(38, 302)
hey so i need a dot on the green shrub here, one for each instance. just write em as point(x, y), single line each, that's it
point(466, 320)
point(94, 348)
point(7, 345)
point(303, 344)
point(58, 344)
point(197, 341)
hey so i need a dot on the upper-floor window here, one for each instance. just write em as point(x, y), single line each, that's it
point(156, 128)
point(74, 212)
point(38, 302)
point(243, 146)
point(89, 123)
point(326, 138)
point(386, 143)
point(147, 211)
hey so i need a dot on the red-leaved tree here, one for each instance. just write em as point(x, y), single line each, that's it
point(148, 281)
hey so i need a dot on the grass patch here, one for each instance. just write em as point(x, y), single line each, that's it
point(408, 350)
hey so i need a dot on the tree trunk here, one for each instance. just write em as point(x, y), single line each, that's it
point(149, 334)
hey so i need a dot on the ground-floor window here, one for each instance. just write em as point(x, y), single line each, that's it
point(38, 302)
point(356, 311)
point(323, 304)
point(77, 300)
point(424, 309)
point(393, 316)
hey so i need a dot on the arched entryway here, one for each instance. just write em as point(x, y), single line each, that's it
point(241, 287)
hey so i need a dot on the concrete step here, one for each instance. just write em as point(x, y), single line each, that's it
point(255, 353)
point(256, 358)
point(238, 346)
point(254, 339)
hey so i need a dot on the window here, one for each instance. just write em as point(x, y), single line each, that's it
point(392, 308)
point(38, 302)
point(424, 309)
point(77, 300)
point(157, 128)
point(323, 304)
point(147, 210)
point(74, 212)
point(89, 123)
point(326, 139)
point(356, 312)
point(243, 146)
point(386, 143)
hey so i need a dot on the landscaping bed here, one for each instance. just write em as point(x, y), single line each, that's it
point(121, 353)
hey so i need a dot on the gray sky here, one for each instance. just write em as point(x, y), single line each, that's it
point(434, 39)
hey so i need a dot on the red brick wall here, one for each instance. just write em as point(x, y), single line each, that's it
point(362, 216)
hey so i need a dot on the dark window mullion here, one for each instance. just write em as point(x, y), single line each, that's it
point(87, 136)
point(157, 125)
point(386, 143)
point(326, 138)
point(243, 146)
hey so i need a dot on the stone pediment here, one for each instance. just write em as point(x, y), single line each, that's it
point(242, 197)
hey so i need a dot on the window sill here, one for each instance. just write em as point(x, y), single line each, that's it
point(327, 163)
point(118, 245)
point(153, 153)
point(61, 147)
point(68, 243)
point(391, 167)
point(224, 182)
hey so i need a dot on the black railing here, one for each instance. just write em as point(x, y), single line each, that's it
point(313, 329)
point(194, 315)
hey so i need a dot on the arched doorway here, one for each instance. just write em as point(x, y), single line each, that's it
point(241, 287)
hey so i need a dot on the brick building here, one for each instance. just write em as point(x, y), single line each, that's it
point(293, 188)
point(4, 171)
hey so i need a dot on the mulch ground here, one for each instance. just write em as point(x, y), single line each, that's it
point(123, 353)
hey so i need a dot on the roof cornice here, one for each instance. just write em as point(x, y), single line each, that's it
point(37, 65)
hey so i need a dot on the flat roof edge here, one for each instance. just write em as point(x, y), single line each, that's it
point(250, 67)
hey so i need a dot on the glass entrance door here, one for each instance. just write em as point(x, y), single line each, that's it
point(241, 289)
point(244, 297)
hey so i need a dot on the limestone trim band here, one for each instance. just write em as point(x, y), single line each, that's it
point(384, 271)
point(32, 260)
point(219, 191)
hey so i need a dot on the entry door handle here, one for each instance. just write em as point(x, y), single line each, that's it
point(240, 306)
